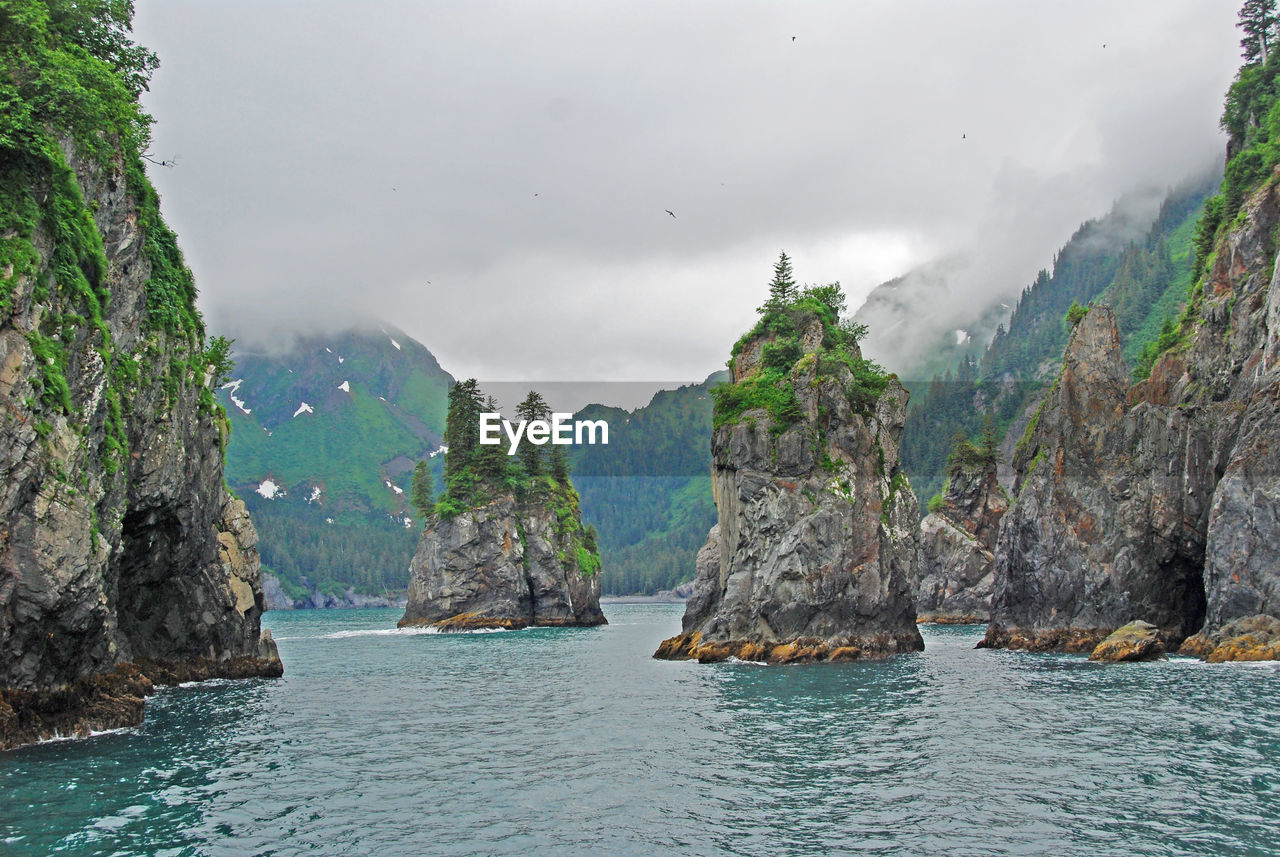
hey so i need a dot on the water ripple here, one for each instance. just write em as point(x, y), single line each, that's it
point(381, 741)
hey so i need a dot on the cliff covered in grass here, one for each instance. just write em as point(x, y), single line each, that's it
point(124, 561)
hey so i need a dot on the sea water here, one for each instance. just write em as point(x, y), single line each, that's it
point(574, 741)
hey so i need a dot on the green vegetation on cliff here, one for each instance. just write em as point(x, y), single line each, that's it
point(70, 77)
point(1144, 280)
point(787, 315)
point(1251, 118)
point(475, 473)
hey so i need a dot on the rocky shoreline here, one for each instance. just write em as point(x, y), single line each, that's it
point(117, 699)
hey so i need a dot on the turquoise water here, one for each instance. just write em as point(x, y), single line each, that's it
point(551, 741)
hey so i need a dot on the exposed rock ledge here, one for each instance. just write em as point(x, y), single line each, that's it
point(116, 699)
point(1252, 638)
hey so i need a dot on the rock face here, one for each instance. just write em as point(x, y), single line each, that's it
point(1108, 523)
point(123, 559)
point(817, 534)
point(957, 549)
point(506, 564)
point(1137, 641)
point(1161, 500)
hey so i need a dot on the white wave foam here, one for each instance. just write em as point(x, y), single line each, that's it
point(93, 733)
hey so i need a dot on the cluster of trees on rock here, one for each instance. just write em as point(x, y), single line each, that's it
point(475, 471)
point(784, 316)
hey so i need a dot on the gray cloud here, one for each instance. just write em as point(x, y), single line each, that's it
point(492, 178)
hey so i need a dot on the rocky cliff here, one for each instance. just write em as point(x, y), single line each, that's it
point(1157, 502)
point(957, 548)
point(509, 563)
point(124, 561)
point(817, 533)
point(1109, 520)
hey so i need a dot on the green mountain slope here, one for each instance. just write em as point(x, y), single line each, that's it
point(324, 439)
point(648, 492)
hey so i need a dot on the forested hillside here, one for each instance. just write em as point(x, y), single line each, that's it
point(325, 436)
point(1144, 280)
point(649, 492)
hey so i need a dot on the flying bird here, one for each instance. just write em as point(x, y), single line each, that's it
point(669, 211)
point(963, 136)
point(793, 38)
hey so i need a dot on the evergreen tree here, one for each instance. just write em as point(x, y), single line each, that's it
point(534, 407)
point(462, 427)
point(559, 464)
point(1258, 21)
point(492, 461)
point(989, 440)
point(422, 495)
point(782, 290)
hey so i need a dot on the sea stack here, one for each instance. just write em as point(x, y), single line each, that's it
point(817, 534)
point(958, 538)
point(124, 560)
point(504, 547)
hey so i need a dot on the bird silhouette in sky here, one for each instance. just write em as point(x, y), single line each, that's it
point(793, 38)
point(964, 136)
point(669, 211)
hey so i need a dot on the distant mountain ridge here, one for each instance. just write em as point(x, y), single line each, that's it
point(325, 435)
point(327, 430)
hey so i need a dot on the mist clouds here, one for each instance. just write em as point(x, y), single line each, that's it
point(495, 178)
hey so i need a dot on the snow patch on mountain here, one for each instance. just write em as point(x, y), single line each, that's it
point(270, 490)
point(233, 387)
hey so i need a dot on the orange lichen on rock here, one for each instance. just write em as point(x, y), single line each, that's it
point(805, 650)
point(1136, 641)
point(1069, 640)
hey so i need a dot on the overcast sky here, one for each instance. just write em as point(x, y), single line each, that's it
point(494, 178)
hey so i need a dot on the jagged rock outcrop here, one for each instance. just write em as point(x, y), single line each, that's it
point(957, 548)
point(817, 534)
point(1161, 500)
point(1109, 519)
point(506, 564)
point(123, 559)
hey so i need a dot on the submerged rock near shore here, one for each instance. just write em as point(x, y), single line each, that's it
point(817, 537)
point(124, 560)
point(1136, 641)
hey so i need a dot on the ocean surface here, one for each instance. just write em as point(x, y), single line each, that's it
point(567, 742)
